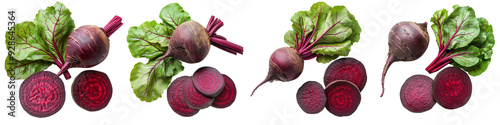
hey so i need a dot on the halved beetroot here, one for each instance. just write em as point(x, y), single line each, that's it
point(208, 81)
point(228, 94)
point(193, 98)
point(342, 98)
point(311, 97)
point(416, 93)
point(176, 100)
point(92, 90)
point(348, 69)
point(42, 94)
point(452, 88)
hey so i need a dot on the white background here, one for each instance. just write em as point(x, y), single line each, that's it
point(259, 26)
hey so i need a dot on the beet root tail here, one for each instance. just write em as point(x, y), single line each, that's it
point(390, 60)
point(268, 78)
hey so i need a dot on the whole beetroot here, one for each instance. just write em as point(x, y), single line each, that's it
point(407, 42)
point(190, 42)
point(323, 33)
point(285, 65)
point(88, 45)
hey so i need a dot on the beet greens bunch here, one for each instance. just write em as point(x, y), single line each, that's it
point(166, 44)
point(323, 32)
point(464, 40)
point(52, 39)
point(39, 43)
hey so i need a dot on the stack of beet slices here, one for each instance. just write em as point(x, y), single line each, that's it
point(207, 87)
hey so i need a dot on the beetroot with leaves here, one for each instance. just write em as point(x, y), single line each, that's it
point(88, 45)
point(176, 100)
point(316, 34)
point(42, 94)
point(165, 44)
point(92, 90)
point(51, 38)
point(416, 94)
point(349, 69)
point(311, 97)
point(407, 42)
point(452, 88)
point(342, 98)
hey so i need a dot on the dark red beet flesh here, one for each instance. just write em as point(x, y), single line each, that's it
point(42, 94)
point(452, 88)
point(348, 69)
point(193, 98)
point(408, 41)
point(285, 65)
point(88, 45)
point(311, 97)
point(208, 81)
point(92, 90)
point(228, 94)
point(342, 98)
point(176, 100)
point(416, 94)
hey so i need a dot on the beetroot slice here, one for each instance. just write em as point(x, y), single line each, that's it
point(342, 98)
point(452, 88)
point(228, 94)
point(348, 69)
point(92, 90)
point(176, 100)
point(42, 94)
point(193, 98)
point(208, 81)
point(416, 94)
point(311, 97)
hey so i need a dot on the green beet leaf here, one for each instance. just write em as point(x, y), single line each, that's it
point(477, 69)
point(324, 32)
point(438, 21)
point(56, 25)
point(332, 49)
point(173, 15)
point(149, 40)
point(23, 69)
point(28, 44)
point(40, 43)
point(291, 38)
point(326, 58)
point(470, 56)
point(461, 27)
point(151, 79)
point(337, 26)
